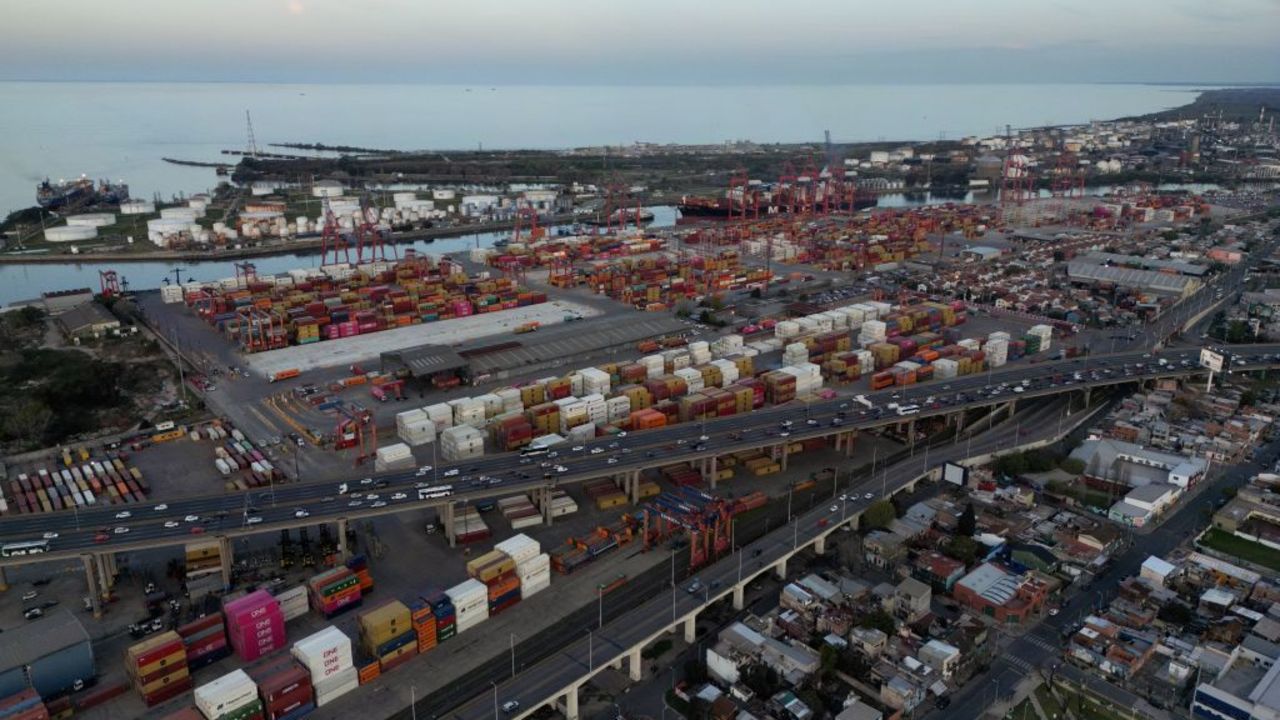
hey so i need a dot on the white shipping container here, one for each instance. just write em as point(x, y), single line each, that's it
point(335, 687)
point(325, 654)
point(229, 692)
point(293, 602)
point(520, 548)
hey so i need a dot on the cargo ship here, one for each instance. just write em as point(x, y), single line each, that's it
point(81, 191)
point(697, 207)
point(623, 216)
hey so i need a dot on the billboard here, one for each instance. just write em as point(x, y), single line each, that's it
point(1212, 359)
point(955, 474)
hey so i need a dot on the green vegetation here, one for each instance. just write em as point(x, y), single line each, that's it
point(878, 515)
point(1029, 461)
point(879, 620)
point(1245, 549)
point(1081, 493)
point(967, 525)
point(962, 548)
point(1048, 702)
point(1075, 466)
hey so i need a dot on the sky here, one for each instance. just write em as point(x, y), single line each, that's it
point(655, 42)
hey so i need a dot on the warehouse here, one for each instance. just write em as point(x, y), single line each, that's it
point(55, 653)
point(88, 320)
point(1143, 263)
point(424, 361)
point(569, 347)
point(1148, 280)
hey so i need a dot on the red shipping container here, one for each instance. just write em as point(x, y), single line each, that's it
point(393, 664)
point(203, 623)
point(206, 647)
point(186, 713)
point(283, 681)
point(157, 653)
point(167, 693)
point(157, 674)
point(288, 702)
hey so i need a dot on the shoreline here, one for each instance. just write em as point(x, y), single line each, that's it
point(308, 245)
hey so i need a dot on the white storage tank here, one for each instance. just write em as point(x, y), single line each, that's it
point(92, 220)
point(70, 233)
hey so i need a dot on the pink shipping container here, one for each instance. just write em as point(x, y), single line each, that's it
point(262, 637)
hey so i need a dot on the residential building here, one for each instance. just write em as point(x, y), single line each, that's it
point(1116, 461)
point(883, 549)
point(911, 600)
point(1243, 690)
point(1156, 570)
point(58, 302)
point(938, 570)
point(858, 710)
point(940, 656)
point(868, 641)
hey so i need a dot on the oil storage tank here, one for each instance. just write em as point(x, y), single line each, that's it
point(52, 655)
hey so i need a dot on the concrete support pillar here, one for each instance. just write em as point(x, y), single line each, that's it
point(635, 664)
point(616, 664)
point(780, 569)
point(95, 590)
point(820, 545)
point(635, 487)
point(850, 442)
point(739, 596)
point(105, 580)
point(711, 471)
point(226, 554)
point(911, 433)
point(4, 580)
point(691, 628)
point(785, 453)
point(1087, 391)
point(343, 551)
point(446, 519)
point(571, 704)
point(959, 421)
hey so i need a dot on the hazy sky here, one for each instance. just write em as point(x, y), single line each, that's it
point(649, 42)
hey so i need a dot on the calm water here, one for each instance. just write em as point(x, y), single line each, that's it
point(122, 130)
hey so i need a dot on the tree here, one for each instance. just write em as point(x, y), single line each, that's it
point(1248, 397)
point(962, 548)
point(829, 658)
point(879, 620)
point(1075, 466)
point(968, 523)
point(695, 671)
point(878, 515)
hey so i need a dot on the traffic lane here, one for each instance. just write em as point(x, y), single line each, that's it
point(301, 492)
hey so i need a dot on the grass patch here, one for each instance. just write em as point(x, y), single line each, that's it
point(1048, 702)
point(1082, 494)
point(1024, 711)
point(1247, 550)
point(1089, 709)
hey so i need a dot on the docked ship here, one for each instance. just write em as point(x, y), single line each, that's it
point(622, 216)
point(81, 191)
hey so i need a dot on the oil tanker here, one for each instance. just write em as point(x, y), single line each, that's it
point(81, 191)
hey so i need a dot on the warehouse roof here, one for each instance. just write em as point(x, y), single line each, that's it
point(85, 317)
point(27, 643)
point(1105, 258)
point(424, 360)
point(992, 584)
point(568, 346)
point(1148, 279)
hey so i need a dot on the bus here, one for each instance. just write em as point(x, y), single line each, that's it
point(533, 450)
point(30, 547)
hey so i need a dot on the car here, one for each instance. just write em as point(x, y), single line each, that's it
point(197, 530)
point(784, 433)
point(833, 508)
point(612, 461)
point(191, 518)
point(124, 515)
point(510, 706)
point(355, 503)
point(101, 536)
point(453, 472)
point(614, 445)
point(844, 496)
point(694, 586)
point(869, 496)
point(372, 496)
point(562, 469)
point(811, 422)
point(300, 442)
point(836, 422)
point(382, 483)
point(621, 434)
point(579, 448)
point(785, 424)
point(403, 496)
point(701, 438)
point(367, 481)
point(30, 595)
point(343, 489)
point(171, 524)
point(33, 613)
point(50, 536)
point(161, 507)
point(597, 450)
point(1019, 389)
point(253, 520)
point(1053, 612)
point(326, 499)
point(380, 503)
point(300, 513)
point(424, 470)
point(121, 530)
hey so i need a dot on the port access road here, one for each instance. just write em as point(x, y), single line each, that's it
point(98, 530)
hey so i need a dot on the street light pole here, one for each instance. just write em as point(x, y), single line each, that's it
point(591, 652)
point(495, 699)
point(413, 702)
point(600, 606)
point(513, 654)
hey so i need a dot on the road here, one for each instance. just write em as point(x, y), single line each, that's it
point(580, 658)
point(509, 473)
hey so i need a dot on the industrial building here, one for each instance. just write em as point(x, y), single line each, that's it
point(1162, 283)
point(52, 656)
point(87, 320)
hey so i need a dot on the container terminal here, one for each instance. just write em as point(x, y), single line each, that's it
point(401, 452)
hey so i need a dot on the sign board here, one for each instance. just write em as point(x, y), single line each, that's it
point(955, 474)
point(1212, 360)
